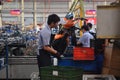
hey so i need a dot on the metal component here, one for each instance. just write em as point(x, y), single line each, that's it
point(78, 9)
point(73, 5)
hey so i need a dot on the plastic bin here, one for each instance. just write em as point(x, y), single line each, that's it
point(83, 53)
point(61, 73)
point(88, 66)
point(85, 65)
point(65, 62)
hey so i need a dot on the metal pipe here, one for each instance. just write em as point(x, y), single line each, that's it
point(73, 5)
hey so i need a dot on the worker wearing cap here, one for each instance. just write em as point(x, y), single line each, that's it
point(45, 51)
point(85, 39)
point(69, 22)
point(68, 27)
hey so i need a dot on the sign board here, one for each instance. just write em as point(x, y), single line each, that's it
point(90, 12)
point(91, 20)
point(108, 22)
point(15, 12)
point(9, 0)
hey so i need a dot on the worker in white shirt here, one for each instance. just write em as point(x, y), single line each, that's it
point(91, 31)
point(84, 41)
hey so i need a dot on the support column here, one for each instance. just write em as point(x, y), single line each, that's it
point(22, 15)
point(34, 14)
point(82, 14)
point(0, 16)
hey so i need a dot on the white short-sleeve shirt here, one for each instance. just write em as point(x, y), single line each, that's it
point(44, 37)
point(85, 39)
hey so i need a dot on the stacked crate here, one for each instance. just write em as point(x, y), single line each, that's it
point(61, 73)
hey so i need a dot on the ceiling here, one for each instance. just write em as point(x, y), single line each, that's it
point(66, 0)
point(69, 0)
point(49, 0)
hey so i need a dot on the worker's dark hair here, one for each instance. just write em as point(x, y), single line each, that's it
point(53, 18)
point(85, 27)
point(89, 25)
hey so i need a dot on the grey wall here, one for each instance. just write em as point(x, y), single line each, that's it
point(108, 22)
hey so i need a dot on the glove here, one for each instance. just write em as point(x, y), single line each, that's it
point(57, 55)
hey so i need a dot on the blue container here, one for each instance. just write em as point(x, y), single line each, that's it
point(92, 66)
point(65, 62)
point(86, 65)
point(99, 62)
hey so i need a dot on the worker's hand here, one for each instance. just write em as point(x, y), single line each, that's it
point(79, 45)
point(57, 55)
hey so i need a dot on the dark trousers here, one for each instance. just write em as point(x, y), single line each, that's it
point(43, 59)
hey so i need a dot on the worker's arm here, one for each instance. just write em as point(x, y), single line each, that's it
point(49, 49)
point(79, 44)
point(52, 51)
point(46, 46)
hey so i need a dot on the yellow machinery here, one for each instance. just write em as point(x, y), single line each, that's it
point(77, 8)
